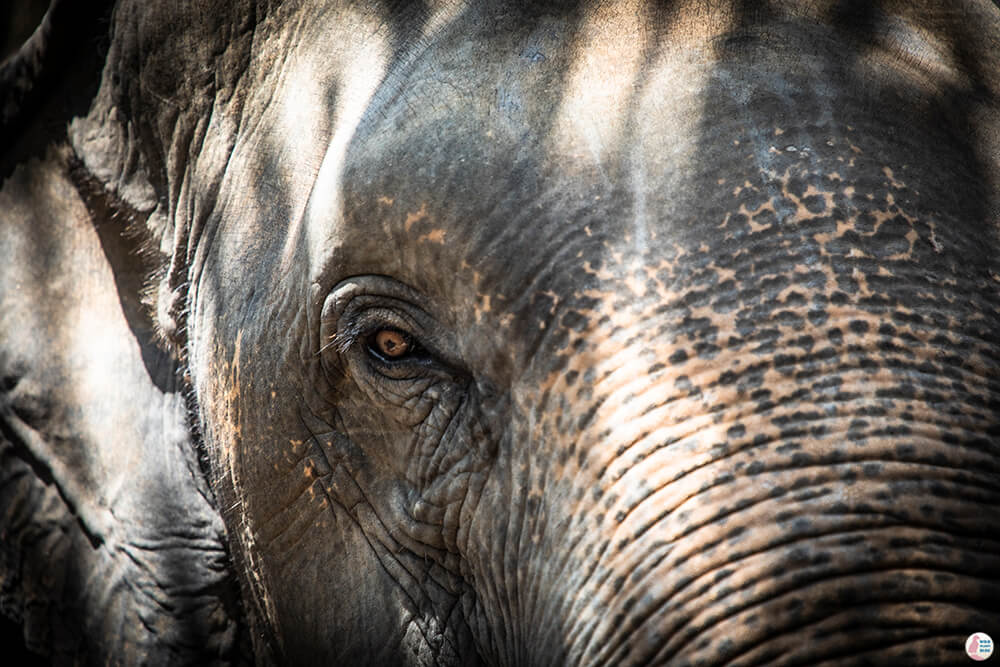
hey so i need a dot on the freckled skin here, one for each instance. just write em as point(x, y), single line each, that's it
point(582, 333)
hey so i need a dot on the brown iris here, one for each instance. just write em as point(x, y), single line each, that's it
point(392, 344)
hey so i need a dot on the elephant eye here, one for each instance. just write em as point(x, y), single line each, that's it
point(391, 344)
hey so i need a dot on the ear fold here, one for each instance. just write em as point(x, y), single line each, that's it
point(120, 157)
point(171, 77)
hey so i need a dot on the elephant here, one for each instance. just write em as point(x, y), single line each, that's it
point(652, 332)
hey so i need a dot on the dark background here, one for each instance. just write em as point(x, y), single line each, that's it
point(18, 19)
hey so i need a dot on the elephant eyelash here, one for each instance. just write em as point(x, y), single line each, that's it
point(342, 341)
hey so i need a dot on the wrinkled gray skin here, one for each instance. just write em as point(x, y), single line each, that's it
point(702, 301)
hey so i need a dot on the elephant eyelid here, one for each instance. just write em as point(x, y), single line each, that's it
point(356, 328)
point(355, 332)
point(349, 331)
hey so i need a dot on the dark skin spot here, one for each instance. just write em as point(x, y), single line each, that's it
point(678, 357)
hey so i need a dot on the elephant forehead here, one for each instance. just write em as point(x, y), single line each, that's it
point(759, 205)
point(604, 121)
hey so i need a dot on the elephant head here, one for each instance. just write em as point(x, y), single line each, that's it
point(557, 333)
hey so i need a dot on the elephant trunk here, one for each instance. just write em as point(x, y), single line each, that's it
point(720, 546)
point(820, 504)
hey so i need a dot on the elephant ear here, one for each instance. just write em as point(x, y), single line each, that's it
point(111, 548)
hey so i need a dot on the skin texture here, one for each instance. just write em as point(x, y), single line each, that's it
point(697, 304)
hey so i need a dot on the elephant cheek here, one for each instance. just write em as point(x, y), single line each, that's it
point(321, 590)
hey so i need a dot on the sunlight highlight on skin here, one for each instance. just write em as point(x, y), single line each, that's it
point(361, 73)
point(594, 114)
point(919, 57)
